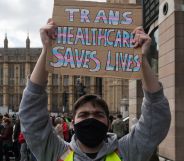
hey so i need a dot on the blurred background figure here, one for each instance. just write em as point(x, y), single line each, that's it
point(6, 136)
point(62, 128)
point(58, 127)
point(118, 126)
point(15, 136)
point(1, 141)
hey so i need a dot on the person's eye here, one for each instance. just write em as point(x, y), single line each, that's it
point(82, 115)
point(100, 115)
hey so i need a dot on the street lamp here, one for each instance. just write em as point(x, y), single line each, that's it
point(80, 88)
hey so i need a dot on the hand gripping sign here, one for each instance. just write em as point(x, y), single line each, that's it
point(95, 39)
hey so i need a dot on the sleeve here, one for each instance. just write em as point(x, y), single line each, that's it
point(150, 130)
point(36, 125)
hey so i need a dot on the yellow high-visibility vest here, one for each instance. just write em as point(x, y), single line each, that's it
point(110, 157)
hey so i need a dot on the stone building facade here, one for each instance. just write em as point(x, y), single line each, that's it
point(171, 67)
point(16, 64)
point(165, 24)
point(164, 21)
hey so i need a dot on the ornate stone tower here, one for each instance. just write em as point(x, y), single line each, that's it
point(28, 42)
point(6, 42)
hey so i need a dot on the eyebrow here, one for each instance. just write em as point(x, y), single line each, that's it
point(95, 112)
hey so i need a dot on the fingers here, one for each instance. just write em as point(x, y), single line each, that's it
point(48, 32)
point(137, 29)
point(49, 26)
point(140, 37)
point(49, 29)
point(52, 32)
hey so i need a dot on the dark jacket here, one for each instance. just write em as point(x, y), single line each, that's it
point(6, 136)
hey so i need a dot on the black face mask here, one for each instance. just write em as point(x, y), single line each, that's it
point(90, 132)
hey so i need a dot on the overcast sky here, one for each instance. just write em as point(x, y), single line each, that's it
point(19, 17)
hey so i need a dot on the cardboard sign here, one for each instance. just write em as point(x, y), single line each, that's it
point(95, 39)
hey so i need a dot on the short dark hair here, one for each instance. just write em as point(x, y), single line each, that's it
point(95, 100)
point(119, 116)
point(1, 117)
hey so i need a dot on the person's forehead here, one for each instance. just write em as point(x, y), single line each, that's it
point(88, 107)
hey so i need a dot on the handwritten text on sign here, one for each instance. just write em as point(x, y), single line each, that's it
point(95, 39)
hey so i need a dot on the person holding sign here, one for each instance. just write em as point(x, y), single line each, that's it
point(91, 142)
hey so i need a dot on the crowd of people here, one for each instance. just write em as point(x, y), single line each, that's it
point(13, 144)
point(12, 141)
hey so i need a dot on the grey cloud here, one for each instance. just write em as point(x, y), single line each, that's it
point(23, 15)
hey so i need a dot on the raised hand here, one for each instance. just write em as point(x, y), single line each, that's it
point(47, 33)
point(142, 40)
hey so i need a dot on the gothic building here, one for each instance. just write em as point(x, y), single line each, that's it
point(16, 64)
point(164, 21)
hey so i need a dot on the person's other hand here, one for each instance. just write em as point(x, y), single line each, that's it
point(142, 40)
point(47, 33)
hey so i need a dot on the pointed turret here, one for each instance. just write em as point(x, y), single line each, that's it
point(6, 42)
point(28, 42)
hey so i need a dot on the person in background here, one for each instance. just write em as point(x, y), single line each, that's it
point(91, 142)
point(62, 128)
point(1, 140)
point(15, 136)
point(59, 128)
point(65, 126)
point(66, 117)
point(52, 119)
point(6, 115)
point(6, 137)
point(118, 126)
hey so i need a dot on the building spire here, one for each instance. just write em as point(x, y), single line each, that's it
point(27, 42)
point(6, 42)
